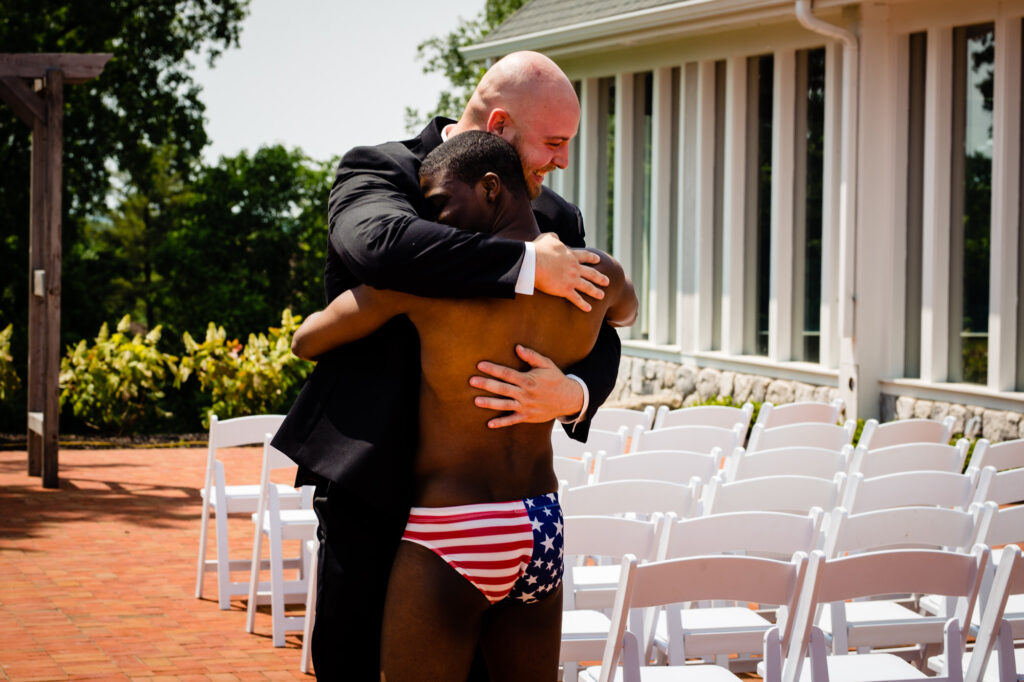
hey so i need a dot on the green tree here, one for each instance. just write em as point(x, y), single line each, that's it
point(440, 54)
point(248, 242)
point(144, 100)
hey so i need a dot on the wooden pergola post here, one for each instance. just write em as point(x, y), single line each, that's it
point(33, 86)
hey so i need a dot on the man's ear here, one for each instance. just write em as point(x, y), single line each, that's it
point(491, 185)
point(497, 121)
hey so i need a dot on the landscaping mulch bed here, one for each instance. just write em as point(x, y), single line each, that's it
point(89, 441)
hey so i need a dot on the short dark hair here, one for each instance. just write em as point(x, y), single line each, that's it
point(470, 155)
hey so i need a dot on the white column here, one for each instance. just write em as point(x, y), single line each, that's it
point(780, 296)
point(625, 122)
point(661, 206)
point(831, 172)
point(705, 206)
point(938, 122)
point(1006, 189)
point(688, 305)
point(589, 164)
point(734, 204)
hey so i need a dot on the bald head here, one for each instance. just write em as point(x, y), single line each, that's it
point(527, 100)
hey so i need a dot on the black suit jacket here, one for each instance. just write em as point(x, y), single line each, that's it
point(355, 420)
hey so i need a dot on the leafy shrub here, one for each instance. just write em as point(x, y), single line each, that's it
point(119, 380)
point(9, 380)
point(257, 378)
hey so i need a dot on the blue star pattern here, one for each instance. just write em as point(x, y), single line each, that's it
point(544, 572)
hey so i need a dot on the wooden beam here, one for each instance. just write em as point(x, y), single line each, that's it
point(26, 104)
point(54, 170)
point(77, 68)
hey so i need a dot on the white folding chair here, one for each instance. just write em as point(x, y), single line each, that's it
point(951, 574)
point(588, 588)
point(644, 586)
point(279, 525)
point(642, 497)
point(575, 472)
point(1004, 487)
point(771, 415)
point(875, 435)
point(614, 418)
point(689, 438)
point(788, 494)
point(729, 629)
point(812, 434)
point(222, 499)
point(312, 559)
point(876, 623)
point(675, 466)
point(612, 442)
point(909, 457)
point(912, 488)
point(799, 461)
point(1006, 455)
point(723, 416)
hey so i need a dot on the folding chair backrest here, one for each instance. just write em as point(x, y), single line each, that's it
point(789, 494)
point(723, 416)
point(1004, 487)
point(1006, 525)
point(235, 432)
point(1006, 455)
point(757, 533)
point(907, 489)
point(611, 442)
point(827, 436)
point(950, 574)
point(771, 415)
point(736, 578)
point(910, 457)
point(676, 466)
point(799, 461)
point(1008, 580)
point(905, 528)
point(691, 438)
point(614, 418)
point(904, 431)
point(630, 497)
point(574, 472)
point(612, 536)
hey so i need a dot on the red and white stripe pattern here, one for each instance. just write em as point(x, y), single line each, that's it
point(489, 544)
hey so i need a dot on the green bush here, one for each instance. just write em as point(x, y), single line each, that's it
point(257, 378)
point(9, 380)
point(118, 381)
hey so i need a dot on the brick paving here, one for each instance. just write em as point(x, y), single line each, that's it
point(97, 579)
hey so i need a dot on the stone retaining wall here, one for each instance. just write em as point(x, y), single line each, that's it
point(644, 382)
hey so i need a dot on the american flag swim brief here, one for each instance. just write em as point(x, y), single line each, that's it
point(505, 549)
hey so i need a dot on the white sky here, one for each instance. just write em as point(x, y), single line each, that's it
point(324, 75)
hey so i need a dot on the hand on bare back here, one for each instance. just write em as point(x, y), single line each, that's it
point(565, 272)
point(540, 394)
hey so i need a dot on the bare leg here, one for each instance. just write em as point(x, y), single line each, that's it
point(521, 641)
point(432, 619)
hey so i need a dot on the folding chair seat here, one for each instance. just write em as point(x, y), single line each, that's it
point(221, 500)
point(690, 438)
point(279, 525)
point(818, 435)
point(614, 418)
point(704, 628)
point(588, 588)
point(646, 586)
point(723, 416)
point(828, 581)
point(798, 461)
point(788, 494)
point(676, 466)
point(575, 472)
point(913, 489)
point(771, 415)
point(889, 623)
point(612, 442)
point(910, 457)
point(875, 435)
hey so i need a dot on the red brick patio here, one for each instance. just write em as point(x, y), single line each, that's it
point(97, 579)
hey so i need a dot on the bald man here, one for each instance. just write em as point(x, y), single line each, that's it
point(353, 429)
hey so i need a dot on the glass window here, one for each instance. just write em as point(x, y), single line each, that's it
point(915, 205)
point(719, 170)
point(973, 70)
point(641, 233)
point(605, 232)
point(674, 208)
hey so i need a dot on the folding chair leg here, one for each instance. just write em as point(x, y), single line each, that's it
point(201, 563)
point(311, 548)
point(254, 576)
point(223, 562)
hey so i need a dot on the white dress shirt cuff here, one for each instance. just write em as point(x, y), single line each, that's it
point(586, 403)
point(528, 274)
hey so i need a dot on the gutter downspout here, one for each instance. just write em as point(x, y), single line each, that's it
point(847, 196)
